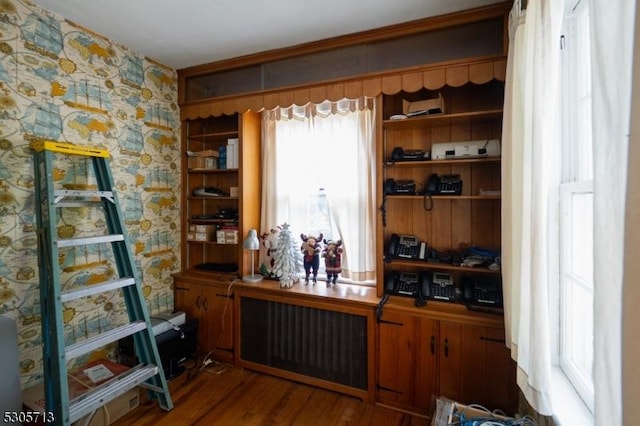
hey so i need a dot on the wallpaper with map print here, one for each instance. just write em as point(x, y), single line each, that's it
point(62, 82)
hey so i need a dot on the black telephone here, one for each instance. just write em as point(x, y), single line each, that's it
point(399, 154)
point(483, 292)
point(392, 186)
point(406, 247)
point(445, 185)
point(442, 287)
point(409, 284)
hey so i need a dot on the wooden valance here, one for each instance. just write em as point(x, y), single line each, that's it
point(431, 77)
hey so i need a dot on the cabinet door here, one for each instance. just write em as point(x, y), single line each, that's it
point(188, 298)
point(218, 314)
point(406, 361)
point(475, 367)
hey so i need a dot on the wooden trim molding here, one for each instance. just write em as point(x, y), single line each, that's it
point(431, 77)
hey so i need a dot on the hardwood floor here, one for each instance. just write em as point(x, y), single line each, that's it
point(226, 395)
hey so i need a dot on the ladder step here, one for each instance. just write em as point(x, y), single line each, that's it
point(87, 403)
point(95, 289)
point(70, 242)
point(68, 148)
point(88, 197)
point(96, 342)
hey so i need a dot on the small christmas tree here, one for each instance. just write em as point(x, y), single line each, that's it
point(288, 258)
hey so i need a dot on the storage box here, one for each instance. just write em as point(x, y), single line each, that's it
point(227, 236)
point(80, 383)
point(461, 411)
point(205, 229)
point(207, 159)
point(201, 236)
point(233, 191)
point(427, 106)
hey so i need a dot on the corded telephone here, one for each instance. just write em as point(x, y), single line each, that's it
point(444, 185)
point(392, 186)
point(409, 284)
point(399, 154)
point(442, 287)
point(483, 292)
point(406, 247)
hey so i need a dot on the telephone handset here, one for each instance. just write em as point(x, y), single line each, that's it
point(450, 184)
point(433, 184)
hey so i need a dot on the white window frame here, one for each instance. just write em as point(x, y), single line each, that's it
point(577, 178)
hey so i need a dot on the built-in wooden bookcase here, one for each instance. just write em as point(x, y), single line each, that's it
point(445, 222)
point(217, 197)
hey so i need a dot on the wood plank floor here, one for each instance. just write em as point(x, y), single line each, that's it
point(225, 395)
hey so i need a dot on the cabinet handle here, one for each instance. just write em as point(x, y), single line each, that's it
point(390, 322)
point(226, 296)
point(446, 348)
point(198, 302)
point(491, 339)
point(433, 345)
point(205, 303)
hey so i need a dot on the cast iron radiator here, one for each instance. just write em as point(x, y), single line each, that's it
point(315, 342)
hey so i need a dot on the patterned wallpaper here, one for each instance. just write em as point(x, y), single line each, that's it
point(62, 82)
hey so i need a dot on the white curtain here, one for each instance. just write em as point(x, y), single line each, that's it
point(530, 177)
point(326, 146)
point(612, 35)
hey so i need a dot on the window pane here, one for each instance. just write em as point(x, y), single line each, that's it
point(582, 237)
point(580, 346)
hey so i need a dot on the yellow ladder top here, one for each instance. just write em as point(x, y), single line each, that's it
point(68, 148)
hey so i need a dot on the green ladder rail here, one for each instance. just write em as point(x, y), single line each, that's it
point(56, 353)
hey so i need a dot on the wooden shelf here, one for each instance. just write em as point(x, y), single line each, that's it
point(442, 119)
point(193, 197)
point(444, 197)
point(213, 135)
point(212, 243)
point(212, 171)
point(422, 163)
point(441, 267)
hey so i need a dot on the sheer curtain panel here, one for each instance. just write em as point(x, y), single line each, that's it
point(319, 176)
point(530, 177)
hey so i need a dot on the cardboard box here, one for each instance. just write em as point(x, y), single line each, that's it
point(427, 106)
point(207, 153)
point(207, 159)
point(201, 236)
point(80, 383)
point(471, 413)
point(205, 229)
point(227, 236)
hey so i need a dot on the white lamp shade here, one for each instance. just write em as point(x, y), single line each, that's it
point(251, 242)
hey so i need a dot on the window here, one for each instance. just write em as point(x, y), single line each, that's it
point(320, 178)
point(576, 206)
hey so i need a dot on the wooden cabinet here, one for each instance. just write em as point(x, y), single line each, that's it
point(406, 361)
point(212, 306)
point(475, 366)
point(442, 348)
point(219, 197)
point(421, 358)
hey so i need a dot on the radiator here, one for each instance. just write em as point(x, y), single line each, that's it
point(319, 343)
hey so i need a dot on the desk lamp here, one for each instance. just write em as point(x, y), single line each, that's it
point(252, 244)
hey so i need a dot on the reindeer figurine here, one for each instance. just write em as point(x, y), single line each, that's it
point(332, 254)
point(311, 256)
